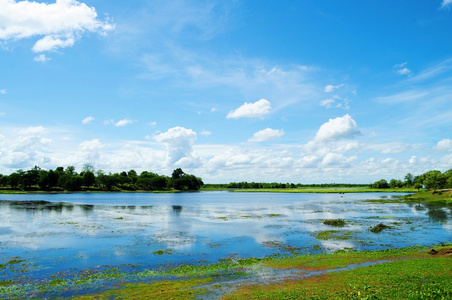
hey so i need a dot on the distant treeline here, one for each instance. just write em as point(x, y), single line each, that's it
point(433, 180)
point(275, 185)
point(68, 179)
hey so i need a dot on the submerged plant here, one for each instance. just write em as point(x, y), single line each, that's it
point(335, 222)
point(379, 228)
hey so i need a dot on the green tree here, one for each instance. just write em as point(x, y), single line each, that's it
point(88, 179)
point(70, 170)
point(14, 180)
point(88, 168)
point(409, 179)
point(381, 184)
point(434, 180)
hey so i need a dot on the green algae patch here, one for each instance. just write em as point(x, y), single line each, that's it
point(166, 289)
point(341, 259)
point(161, 252)
point(333, 235)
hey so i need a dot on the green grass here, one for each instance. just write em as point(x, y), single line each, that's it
point(411, 275)
point(425, 278)
point(428, 196)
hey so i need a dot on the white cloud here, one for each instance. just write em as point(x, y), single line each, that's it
point(336, 159)
point(328, 103)
point(124, 122)
point(444, 145)
point(251, 110)
point(446, 3)
point(92, 145)
point(205, 133)
point(3, 91)
point(49, 43)
point(402, 69)
point(330, 88)
point(58, 23)
point(87, 120)
point(179, 144)
point(41, 58)
point(266, 135)
point(340, 127)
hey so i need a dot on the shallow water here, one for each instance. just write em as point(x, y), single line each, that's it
point(62, 232)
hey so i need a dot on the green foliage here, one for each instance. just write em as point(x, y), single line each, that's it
point(380, 184)
point(61, 179)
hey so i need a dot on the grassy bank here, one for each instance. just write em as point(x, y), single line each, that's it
point(442, 197)
point(408, 273)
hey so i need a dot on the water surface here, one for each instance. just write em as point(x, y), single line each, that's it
point(60, 232)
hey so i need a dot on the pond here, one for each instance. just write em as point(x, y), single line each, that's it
point(62, 232)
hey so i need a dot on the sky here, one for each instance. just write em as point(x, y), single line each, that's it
point(314, 91)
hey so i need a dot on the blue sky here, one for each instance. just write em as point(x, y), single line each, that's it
point(276, 91)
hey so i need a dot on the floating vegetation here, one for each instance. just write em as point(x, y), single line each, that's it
point(379, 228)
point(333, 234)
point(335, 222)
point(381, 217)
point(274, 215)
point(223, 218)
point(161, 252)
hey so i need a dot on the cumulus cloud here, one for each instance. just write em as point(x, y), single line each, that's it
point(24, 147)
point(266, 135)
point(179, 145)
point(87, 120)
point(338, 128)
point(58, 24)
point(444, 145)
point(251, 110)
point(330, 88)
point(48, 43)
point(124, 122)
point(92, 145)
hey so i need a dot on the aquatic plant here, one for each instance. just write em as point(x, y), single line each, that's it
point(379, 228)
point(335, 222)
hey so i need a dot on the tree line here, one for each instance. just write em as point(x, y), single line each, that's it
point(276, 185)
point(67, 179)
point(433, 180)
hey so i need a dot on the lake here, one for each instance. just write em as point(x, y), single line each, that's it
point(67, 232)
